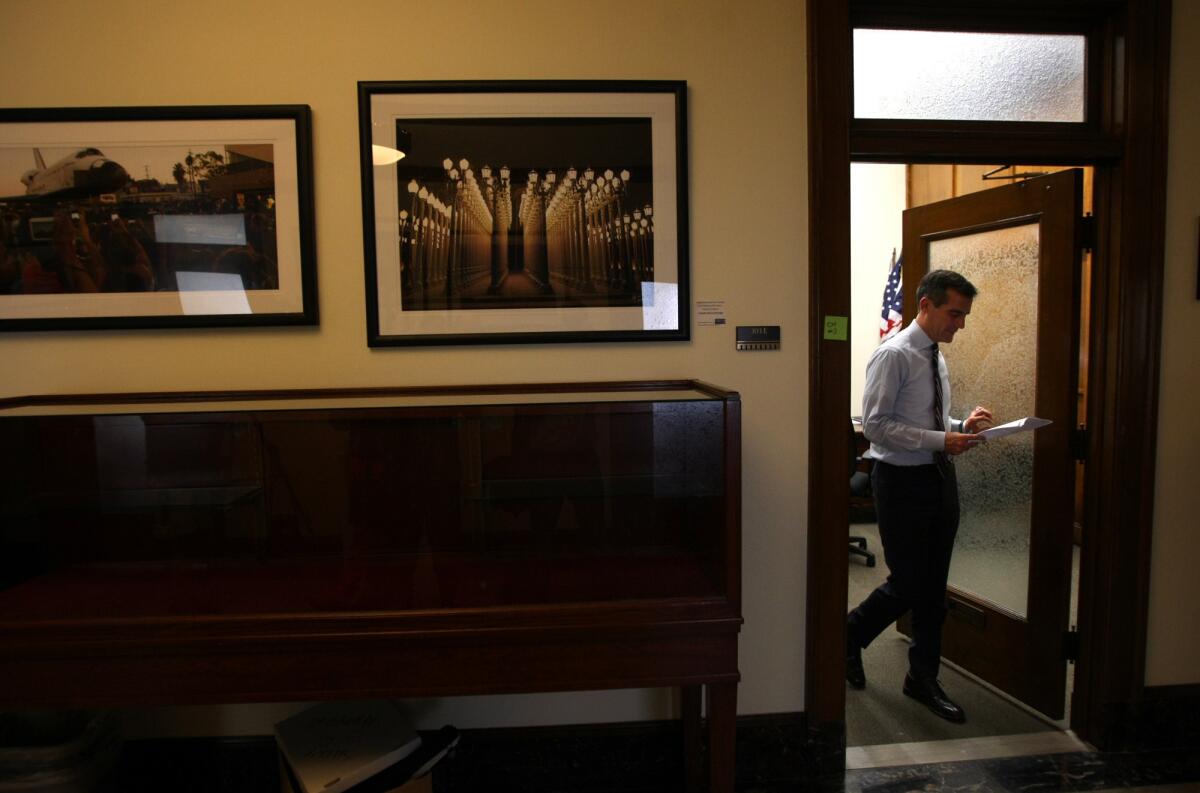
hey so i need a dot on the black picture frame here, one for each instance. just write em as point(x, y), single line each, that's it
point(524, 211)
point(156, 217)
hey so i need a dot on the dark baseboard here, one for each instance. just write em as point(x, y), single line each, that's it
point(1155, 742)
point(1167, 717)
point(632, 757)
point(195, 765)
point(635, 756)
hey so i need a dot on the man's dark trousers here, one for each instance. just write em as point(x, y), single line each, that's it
point(917, 508)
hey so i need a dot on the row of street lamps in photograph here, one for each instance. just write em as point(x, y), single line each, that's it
point(575, 234)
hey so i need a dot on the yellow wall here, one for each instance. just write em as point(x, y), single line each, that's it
point(747, 141)
point(1173, 646)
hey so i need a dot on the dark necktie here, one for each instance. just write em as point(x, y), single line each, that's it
point(940, 458)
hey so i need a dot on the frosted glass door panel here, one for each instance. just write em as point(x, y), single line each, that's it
point(992, 362)
point(925, 74)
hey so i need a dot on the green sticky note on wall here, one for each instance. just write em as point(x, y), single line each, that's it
point(836, 328)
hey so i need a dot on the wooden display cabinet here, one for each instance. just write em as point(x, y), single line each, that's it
point(197, 548)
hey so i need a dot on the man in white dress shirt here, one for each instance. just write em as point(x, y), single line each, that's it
point(906, 417)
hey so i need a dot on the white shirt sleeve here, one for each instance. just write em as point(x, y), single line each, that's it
point(882, 421)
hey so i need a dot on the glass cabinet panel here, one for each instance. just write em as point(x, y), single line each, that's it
point(382, 504)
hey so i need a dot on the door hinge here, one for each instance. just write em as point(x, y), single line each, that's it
point(1079, 442)
point(1087, 232)
point(1071, 645)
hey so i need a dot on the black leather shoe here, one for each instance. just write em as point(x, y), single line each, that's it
point(929, 693)
point(855, 675)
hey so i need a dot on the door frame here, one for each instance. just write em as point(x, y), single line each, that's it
point(1125, 140)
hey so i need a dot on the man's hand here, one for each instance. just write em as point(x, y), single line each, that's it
point(980, 418)
point(959, 442)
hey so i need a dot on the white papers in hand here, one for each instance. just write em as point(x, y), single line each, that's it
point(1020, 425)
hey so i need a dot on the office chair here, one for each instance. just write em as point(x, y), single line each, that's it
point(860, 491)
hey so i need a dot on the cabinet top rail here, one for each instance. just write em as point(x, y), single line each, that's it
point(379, 396)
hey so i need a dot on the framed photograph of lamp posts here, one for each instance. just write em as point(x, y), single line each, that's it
point(524, 212)
point(156, 217)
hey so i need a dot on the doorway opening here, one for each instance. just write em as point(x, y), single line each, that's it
point(1123, 135)
point(995, 546)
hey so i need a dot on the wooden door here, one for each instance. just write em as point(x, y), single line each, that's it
point(1010, 581)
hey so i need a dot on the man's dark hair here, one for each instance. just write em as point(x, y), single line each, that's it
point(936, 282)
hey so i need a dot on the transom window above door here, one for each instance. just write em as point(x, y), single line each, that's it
point(965, 76)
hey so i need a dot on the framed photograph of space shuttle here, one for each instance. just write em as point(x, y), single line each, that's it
point(524, 212)
point(156, 217)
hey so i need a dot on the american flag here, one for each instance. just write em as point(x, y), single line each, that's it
point(893, 300)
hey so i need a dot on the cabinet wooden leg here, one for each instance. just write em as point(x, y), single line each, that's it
point(722, 735)
point(693, 754)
